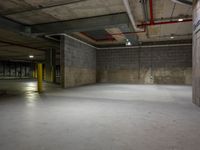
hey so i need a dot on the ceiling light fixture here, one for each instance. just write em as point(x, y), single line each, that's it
point(180, 19)
point(171, 37)
point(128, 43)
point(31, 56)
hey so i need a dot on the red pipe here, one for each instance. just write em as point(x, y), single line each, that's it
point(152, 22)
point(151, 12)
point(165, 22)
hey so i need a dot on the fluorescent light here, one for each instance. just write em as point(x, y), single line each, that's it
point(180, 19)
point(128, 43)
point(31, 56)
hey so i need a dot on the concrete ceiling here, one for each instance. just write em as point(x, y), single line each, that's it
point(20, 53)
point(167, 10)
point(18, 46)
point(32, 12)
point(162, 11)
point(41, 13)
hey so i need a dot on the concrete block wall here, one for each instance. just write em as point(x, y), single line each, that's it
point(78, 63)
point(196, 52)
point(150, 65)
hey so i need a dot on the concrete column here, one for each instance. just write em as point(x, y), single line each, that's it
point(35, 71)
point(78, 63)
point(50, 73)
point(62, 62)
point(39, 77)
point(196, 52)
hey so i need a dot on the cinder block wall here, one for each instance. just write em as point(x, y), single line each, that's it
point(150, 65)
point(78, 63)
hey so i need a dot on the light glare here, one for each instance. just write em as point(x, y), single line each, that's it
point(31, 56)
point(180, 19)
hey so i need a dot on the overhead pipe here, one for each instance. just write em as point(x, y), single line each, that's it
point(128, 10)
point(99, 48)
point(165, 22)
point(138, 30)
point(145, 46)
point(184, 2)
point(151, 12)
point(152, 22)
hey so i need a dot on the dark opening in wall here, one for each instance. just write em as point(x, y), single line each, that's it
point(12, 70)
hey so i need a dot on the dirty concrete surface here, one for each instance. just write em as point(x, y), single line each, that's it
point(98, 117)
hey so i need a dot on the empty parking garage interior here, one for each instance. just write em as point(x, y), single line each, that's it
point(99, 74)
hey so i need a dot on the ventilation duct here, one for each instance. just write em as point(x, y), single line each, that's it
point(184, 2)
point(130, 15)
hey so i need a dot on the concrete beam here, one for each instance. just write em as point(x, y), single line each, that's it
point(42, 7)
point(119, 20)
point(93, 23)
point(5, 23)
point(22, 31)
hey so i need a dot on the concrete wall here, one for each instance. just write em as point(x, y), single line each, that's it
point(196, 52)
point(155, 65)
point(78, 63)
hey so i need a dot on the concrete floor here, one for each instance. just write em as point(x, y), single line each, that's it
point(98, 117)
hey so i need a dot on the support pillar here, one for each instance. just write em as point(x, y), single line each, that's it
point(77, 63)
point(50, 72)
point(39, 77)
point(196, 52)
point(62, 62)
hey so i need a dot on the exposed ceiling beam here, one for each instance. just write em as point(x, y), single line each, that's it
point(21, 45)
point(37, 58)
point(119, 20)
point(184, 2)
point(24, 31)
point(11, 25)
point(79, 25)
